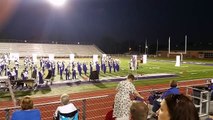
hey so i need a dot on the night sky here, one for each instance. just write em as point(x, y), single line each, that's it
point(119, 24)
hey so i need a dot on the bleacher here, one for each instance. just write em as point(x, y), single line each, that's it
point(59, 50)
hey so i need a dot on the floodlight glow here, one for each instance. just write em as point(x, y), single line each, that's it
point(57, 2)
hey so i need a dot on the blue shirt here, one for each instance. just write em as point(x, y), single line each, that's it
point(211, 87)
point(172, 90)
point(26, 115)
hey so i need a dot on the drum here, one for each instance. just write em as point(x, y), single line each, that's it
point(47, 74)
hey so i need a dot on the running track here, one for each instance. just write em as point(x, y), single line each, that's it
point(96, 109)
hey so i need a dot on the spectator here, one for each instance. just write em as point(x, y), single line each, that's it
point(27, 112)
point(139, 111)
point(67, 110)
point(122, 101)
point(177, 107)
point(210, 87)
point(172, 90)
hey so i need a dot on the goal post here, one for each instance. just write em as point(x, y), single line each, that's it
point(181, 53)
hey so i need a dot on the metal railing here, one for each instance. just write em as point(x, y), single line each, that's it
point(95, 108)
point(201, 99)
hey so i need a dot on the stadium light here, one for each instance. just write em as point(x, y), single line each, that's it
point(57, 3)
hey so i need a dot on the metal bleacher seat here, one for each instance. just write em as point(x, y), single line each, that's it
point(27, 49)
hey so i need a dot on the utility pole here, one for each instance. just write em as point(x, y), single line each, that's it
point(185, 44)
point(157, 47)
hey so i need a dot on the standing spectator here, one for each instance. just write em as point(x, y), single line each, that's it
point(67, 110)
point(177, 107)
point(27, 112)
point(122, 101)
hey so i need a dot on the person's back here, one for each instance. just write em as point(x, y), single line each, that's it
point(26, 115)
point(67, 110)
point(172, 90)
point(27, 112)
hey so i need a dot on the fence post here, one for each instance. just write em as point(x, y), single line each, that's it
point(7, 115)
point(84, 109)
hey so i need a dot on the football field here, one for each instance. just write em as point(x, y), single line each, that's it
point(189, 70)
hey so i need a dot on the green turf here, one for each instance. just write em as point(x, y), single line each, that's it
point(154, 65)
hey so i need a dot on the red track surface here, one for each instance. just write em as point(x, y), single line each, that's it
point(96, 109)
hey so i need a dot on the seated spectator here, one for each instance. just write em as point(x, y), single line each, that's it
point(27, 112)
point(67, 110)
point(177, 107)
point(210, 87)
point(172, 90)
point(139, 110)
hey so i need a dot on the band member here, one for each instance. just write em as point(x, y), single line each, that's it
point(13, 74)
point(63, 66)
point(53, 69)
point(117, 67)
point(47, 64)
point(79, 69)
point(85, 68)
point(61, 72)
point(90, 67)
point(98, 68)
point(104, 68)
point(73, 74)
point(7, 71)
point(110, 67)
point(34, 72)
point(41, 62)
point(40, 77)
point(67, 73)
point(58, 67)
point(16, 63)
point(114, 66)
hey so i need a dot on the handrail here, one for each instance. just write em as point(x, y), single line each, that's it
point(56, 102)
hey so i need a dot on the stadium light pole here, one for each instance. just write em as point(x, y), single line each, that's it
point(157, 48)
point(169, 45)
point(146, 47)
point(185, 44)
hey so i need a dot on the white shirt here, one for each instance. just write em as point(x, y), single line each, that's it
point(65, 109)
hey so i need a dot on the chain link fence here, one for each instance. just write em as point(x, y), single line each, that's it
point(91, 108)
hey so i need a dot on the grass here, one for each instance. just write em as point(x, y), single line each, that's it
point(154, 65)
